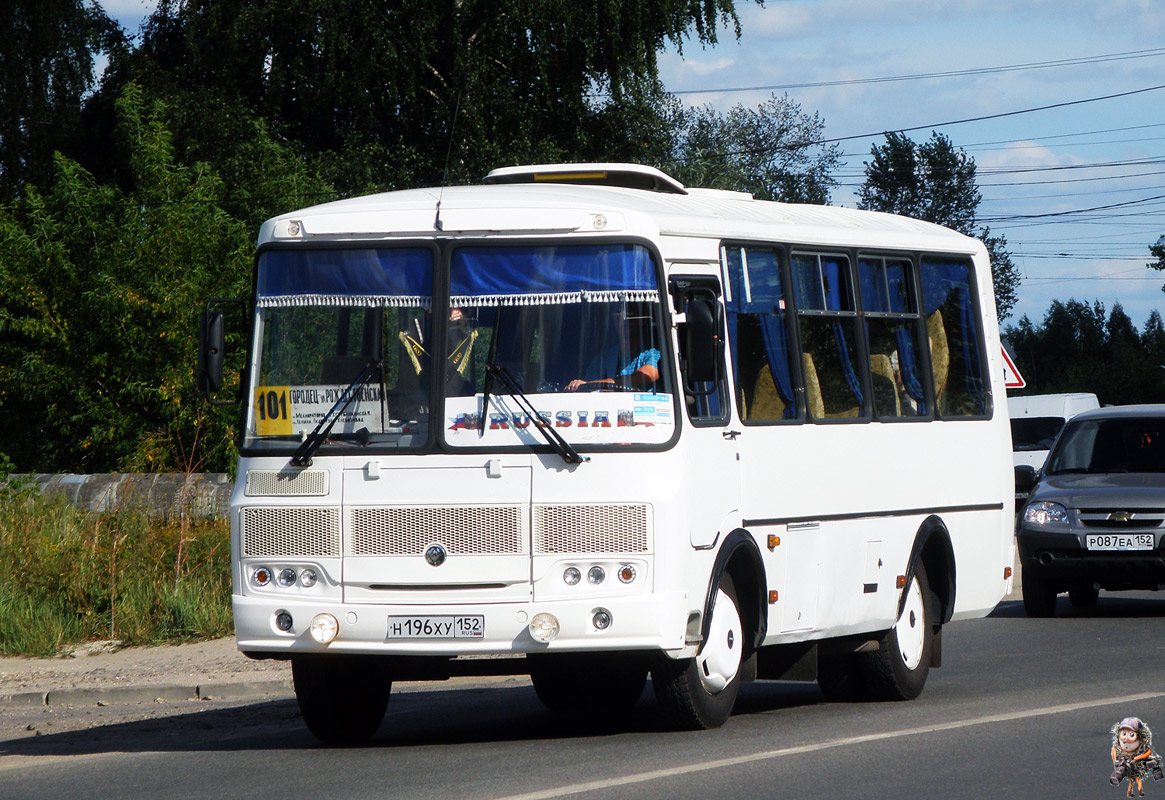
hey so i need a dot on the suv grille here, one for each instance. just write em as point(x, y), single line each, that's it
point(1119, 519)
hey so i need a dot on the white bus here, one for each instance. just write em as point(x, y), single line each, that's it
point(586, 424)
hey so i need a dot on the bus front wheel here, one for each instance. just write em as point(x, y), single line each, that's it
point(699, 693)
point(342, 698)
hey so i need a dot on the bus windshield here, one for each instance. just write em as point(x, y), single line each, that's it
point(345, 338)
point(325, 316)
point(577, 328)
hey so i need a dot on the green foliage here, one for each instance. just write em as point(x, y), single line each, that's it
point(101, 287)
point(1078, 349)
point(1158, 252)
point(771, 151)
point(46, 65)
point(74, 576)
point(935, 181)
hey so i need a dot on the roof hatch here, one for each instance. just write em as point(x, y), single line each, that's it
point(628, 176)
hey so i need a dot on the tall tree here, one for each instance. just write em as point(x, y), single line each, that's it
point(382, 93)
point(47, 50)
point(935, 181)
point(771, 151)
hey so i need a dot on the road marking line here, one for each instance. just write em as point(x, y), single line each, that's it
point(660, 774)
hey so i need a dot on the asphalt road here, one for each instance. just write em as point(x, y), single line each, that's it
point(1021, 708)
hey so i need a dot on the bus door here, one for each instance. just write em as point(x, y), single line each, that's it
point(711, 447)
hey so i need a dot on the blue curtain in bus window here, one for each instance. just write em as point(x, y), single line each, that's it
point(768, 303)
point(776, 339)
point(542, 275)
point(354, 273)
point(837, 299)
point(908, 366)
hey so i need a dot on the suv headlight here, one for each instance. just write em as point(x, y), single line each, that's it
point(1044, 513)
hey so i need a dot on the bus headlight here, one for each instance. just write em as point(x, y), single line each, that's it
point(1044, 513)
point(571, 576)
point(544, 628)
point(324, 628)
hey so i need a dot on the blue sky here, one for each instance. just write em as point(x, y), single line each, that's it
point(1061, 161)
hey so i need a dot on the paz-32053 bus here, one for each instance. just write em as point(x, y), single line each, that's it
point(586, 424)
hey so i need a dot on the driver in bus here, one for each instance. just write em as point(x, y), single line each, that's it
point(640, 372)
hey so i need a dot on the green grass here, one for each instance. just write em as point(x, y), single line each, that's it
point(70, 576)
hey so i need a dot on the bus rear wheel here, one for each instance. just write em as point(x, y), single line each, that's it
point(577, 682)
point(898, 669)
point(342, 698)
point(699, 693)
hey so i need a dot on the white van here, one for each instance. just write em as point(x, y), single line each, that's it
point(1036, 420)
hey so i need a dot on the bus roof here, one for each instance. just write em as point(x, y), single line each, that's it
point(517, 202)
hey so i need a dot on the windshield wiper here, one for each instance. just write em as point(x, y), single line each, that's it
point(303, 454)
point(514, 390)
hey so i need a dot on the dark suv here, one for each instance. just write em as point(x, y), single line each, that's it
point(1096, 516)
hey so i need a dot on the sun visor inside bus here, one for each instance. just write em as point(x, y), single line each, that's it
point(394, 276)
point(543, 275)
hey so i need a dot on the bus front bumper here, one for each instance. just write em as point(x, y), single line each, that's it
point(649, 622)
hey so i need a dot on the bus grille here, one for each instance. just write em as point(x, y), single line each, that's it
point(291, 532)
point(301, 483)
point(408, 530)
point(591, 529)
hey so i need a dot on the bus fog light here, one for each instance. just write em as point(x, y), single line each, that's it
point(261, 576)
point(324, 628)
point(283, 621)
point(571, 576)
point(627, 573)
point(308, 578)
point(601, 620)
point(287, 578)
point(596, 575)
point(544, 627)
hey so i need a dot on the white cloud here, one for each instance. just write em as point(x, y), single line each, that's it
point(705, 67)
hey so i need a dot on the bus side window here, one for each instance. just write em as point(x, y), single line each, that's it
point(758, 334)
point(827, 322)
point(894, 333)
point(962, 387)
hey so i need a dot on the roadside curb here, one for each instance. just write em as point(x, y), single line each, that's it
point(121, 695)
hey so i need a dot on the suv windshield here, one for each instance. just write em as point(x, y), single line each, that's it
point(1123, 444)
point(325, 316)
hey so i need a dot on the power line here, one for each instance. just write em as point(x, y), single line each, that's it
point(1064, 62)
point(984, 117)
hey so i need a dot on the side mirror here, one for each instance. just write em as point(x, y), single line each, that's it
point(701, 342)
point(212, 349)
point(211, 344)
point(1025, 478)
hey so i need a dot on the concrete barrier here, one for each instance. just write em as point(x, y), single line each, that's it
point(166, 495)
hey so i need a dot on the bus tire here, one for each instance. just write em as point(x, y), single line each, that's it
point(342, 698)
point(699, 693)
point(898, 669)
point(578, 682)
point(1039, 596)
